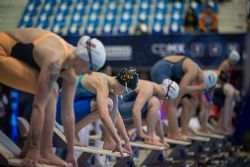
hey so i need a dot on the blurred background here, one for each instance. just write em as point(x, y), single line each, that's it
point(135, 33)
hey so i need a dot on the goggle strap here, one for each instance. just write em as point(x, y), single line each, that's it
point(126, 87)
point(91, 67)
point(168, 89)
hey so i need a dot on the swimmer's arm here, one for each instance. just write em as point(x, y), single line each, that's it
point(185, 86)
point(223, 67)
point(102, 106)
point(67, 113)
point(121, 127)
point(141, 99)
point(46, 83)
point(122, 130)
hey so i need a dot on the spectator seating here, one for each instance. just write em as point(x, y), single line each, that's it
point(107, 17)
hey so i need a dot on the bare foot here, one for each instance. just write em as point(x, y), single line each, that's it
point(51, 159)
point(178, 136)
point(31, 158)
point(228, 131)
point(145, 136)
point(165, 143)
point(78, 143)
point(109, 145)
point(221, 131)
point(187, 133)
point(204, 130)
point(218, 129)
point(154, 142)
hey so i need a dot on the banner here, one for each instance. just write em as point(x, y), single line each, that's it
point(208, 50)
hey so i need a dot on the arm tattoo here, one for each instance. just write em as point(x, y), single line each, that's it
point(54, 72)
point(35, 138)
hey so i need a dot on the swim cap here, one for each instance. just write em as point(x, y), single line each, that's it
point(224, 77)
point(234, 56)
point(171, 88)
point(128, 77)
point(93, 46)
point(210, 78)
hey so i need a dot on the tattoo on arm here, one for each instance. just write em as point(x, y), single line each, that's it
point(35, 138)
point(54, 72)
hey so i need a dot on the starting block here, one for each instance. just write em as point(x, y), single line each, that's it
point(59, 140)
point(134, 144)
point(155, 155)
point(9, 152)
point(210, 135)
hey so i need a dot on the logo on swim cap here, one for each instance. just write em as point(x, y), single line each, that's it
point(210, 78)
point(171, 88)
point(91, 48)
point(128, 77)
point(234, 56)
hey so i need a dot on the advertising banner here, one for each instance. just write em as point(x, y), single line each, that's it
point(208, 50)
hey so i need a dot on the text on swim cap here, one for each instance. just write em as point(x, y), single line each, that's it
point(91, 45)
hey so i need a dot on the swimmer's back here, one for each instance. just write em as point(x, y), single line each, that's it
point(187, 64)
point(26, 35)
point(174, 58)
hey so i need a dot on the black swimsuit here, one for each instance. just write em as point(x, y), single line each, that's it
point(24, 52)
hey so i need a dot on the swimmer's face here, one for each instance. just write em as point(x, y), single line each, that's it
point(81, 66)
point(161, 94)
point(120, 89)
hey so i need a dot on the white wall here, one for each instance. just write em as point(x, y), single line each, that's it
point(10, 13)
point(232, 16)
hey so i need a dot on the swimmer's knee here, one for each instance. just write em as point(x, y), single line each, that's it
point(55, 92)
point(110, 104)
point(229, 90)
point(154, 102)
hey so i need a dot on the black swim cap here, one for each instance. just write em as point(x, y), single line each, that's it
point(128, 77)
point(224, 76)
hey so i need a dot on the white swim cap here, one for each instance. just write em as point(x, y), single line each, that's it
point(210, 78)
point(96, 48)
point(234, 55)
point(171, 88)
